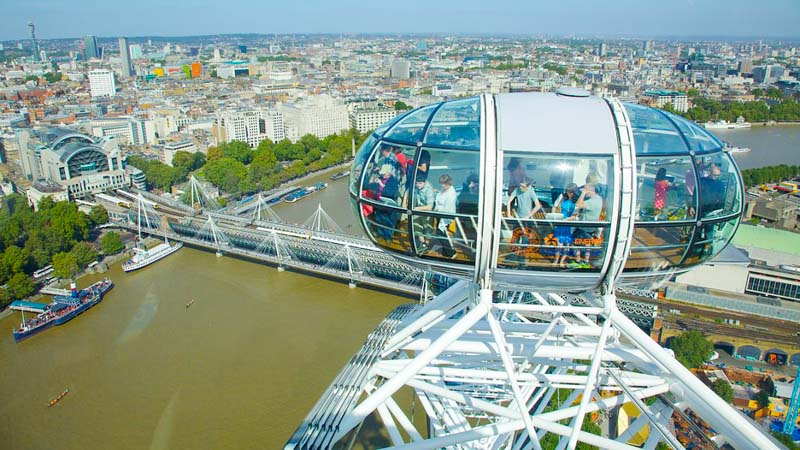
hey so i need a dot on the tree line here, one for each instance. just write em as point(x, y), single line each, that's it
point(769, 174)
point(30, 240)
point(770, 104)
point(234, 167)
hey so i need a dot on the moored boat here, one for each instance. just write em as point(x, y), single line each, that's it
point(305, 192)
point(145, 257)
point(725, 125)
point(63, 309)
point(339, 175)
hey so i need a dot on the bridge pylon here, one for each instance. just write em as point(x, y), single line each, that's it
point(321, 221)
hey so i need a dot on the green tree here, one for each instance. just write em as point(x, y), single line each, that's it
point(785, 440)
point(401, 106)
point(691, 348)
point(199, 160)
point(98, 215)
point(762, 397)
point(15, 259)
point(225, 173)
point(111, 243)
point(20, 286)
point(723, 389)
point(239, 151)
point(85, 253)
point(183, 161)
point(214, 153)
point(262, 167)
point(52, 77)
point(65, 265)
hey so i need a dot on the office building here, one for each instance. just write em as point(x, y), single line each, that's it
point(320, 116)
point(125, 58)
point(602, 50)
point(90, 48)
point(127, 130)
point(250, 127)
point(101, 83)
point(170, 148)
point(366, 119)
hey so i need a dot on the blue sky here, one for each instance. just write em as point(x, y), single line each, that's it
point(74, 18)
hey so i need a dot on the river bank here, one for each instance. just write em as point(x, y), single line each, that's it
point(775, 124)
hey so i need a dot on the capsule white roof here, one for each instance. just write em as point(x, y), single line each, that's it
point(555, 123)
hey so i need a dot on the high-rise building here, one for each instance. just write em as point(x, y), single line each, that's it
point(125, 57)
point(401, 69)
point(101, 83)
point(646, 46)
point(603, 49)
point(136, 51)
point(90, 50)
point(34, 42)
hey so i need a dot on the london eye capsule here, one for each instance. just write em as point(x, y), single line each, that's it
point(551, 191)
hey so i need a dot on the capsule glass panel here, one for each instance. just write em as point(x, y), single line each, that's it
point(387, 226)
point(658, 247)
point(445, 183)
point(555, 212)
point(358, 163)
point(456, 124)
point(720, 191)
point(709, 240)
point(666, 189)
point(409, 129)
point(445, 237)
point(699, 140)
point(654, 133)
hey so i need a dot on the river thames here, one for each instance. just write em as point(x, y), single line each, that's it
point(240, 368)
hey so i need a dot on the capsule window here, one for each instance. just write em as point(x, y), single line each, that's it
point(555, 212)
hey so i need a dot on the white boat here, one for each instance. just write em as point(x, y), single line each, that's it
point(142, 257)
point(725, 125)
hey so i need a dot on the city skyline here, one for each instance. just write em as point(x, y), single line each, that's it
point(712, 18)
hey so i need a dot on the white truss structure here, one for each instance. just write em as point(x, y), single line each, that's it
point(487, 373)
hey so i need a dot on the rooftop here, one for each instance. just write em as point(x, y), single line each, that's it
point(767, 239)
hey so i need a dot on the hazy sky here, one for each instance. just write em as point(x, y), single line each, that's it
point(74, 18)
